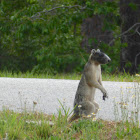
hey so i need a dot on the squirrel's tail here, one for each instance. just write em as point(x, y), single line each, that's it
point(73, 118)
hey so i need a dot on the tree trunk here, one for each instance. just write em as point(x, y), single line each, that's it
point(93, 33)
point(130, 55)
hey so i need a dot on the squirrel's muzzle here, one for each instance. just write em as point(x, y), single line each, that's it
point(109, 60)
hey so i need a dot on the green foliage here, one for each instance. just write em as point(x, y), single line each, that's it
point(133, 6)
point(45, 36)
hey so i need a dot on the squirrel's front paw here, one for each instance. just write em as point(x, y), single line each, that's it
point(105, 96)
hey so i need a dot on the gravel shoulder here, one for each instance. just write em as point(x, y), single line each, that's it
point(42, 95)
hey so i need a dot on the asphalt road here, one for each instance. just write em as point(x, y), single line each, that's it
point(42, 95)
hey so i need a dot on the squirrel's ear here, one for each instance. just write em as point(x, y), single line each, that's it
point(93, 51)
point(98, 50)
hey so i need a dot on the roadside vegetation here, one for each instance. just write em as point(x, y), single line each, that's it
point(26, 126)
point(125, 77)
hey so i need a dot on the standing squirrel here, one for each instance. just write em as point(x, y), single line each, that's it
point(84, 103)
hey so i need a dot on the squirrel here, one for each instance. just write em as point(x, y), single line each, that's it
point(91, 79)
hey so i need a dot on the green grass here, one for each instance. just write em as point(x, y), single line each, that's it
point(26, 126)
point(73, 76)
point(125, 77)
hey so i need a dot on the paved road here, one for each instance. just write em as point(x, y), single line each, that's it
point(19, 94)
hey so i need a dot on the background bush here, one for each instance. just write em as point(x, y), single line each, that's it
point(45, 36)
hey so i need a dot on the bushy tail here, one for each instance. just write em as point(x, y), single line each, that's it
point(73, 118)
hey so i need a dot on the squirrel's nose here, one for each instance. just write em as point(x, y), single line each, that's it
point(109, 60)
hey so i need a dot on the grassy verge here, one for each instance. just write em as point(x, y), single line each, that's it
point(73, 76)
point(121, 77)
point(24, 126)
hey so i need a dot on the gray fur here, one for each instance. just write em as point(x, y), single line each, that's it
point(91, 79)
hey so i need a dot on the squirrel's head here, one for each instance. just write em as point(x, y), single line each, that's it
point(99, 57)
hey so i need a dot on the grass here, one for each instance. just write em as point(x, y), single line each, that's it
point(125, 77)
point(27, 126)
point(73, 76)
